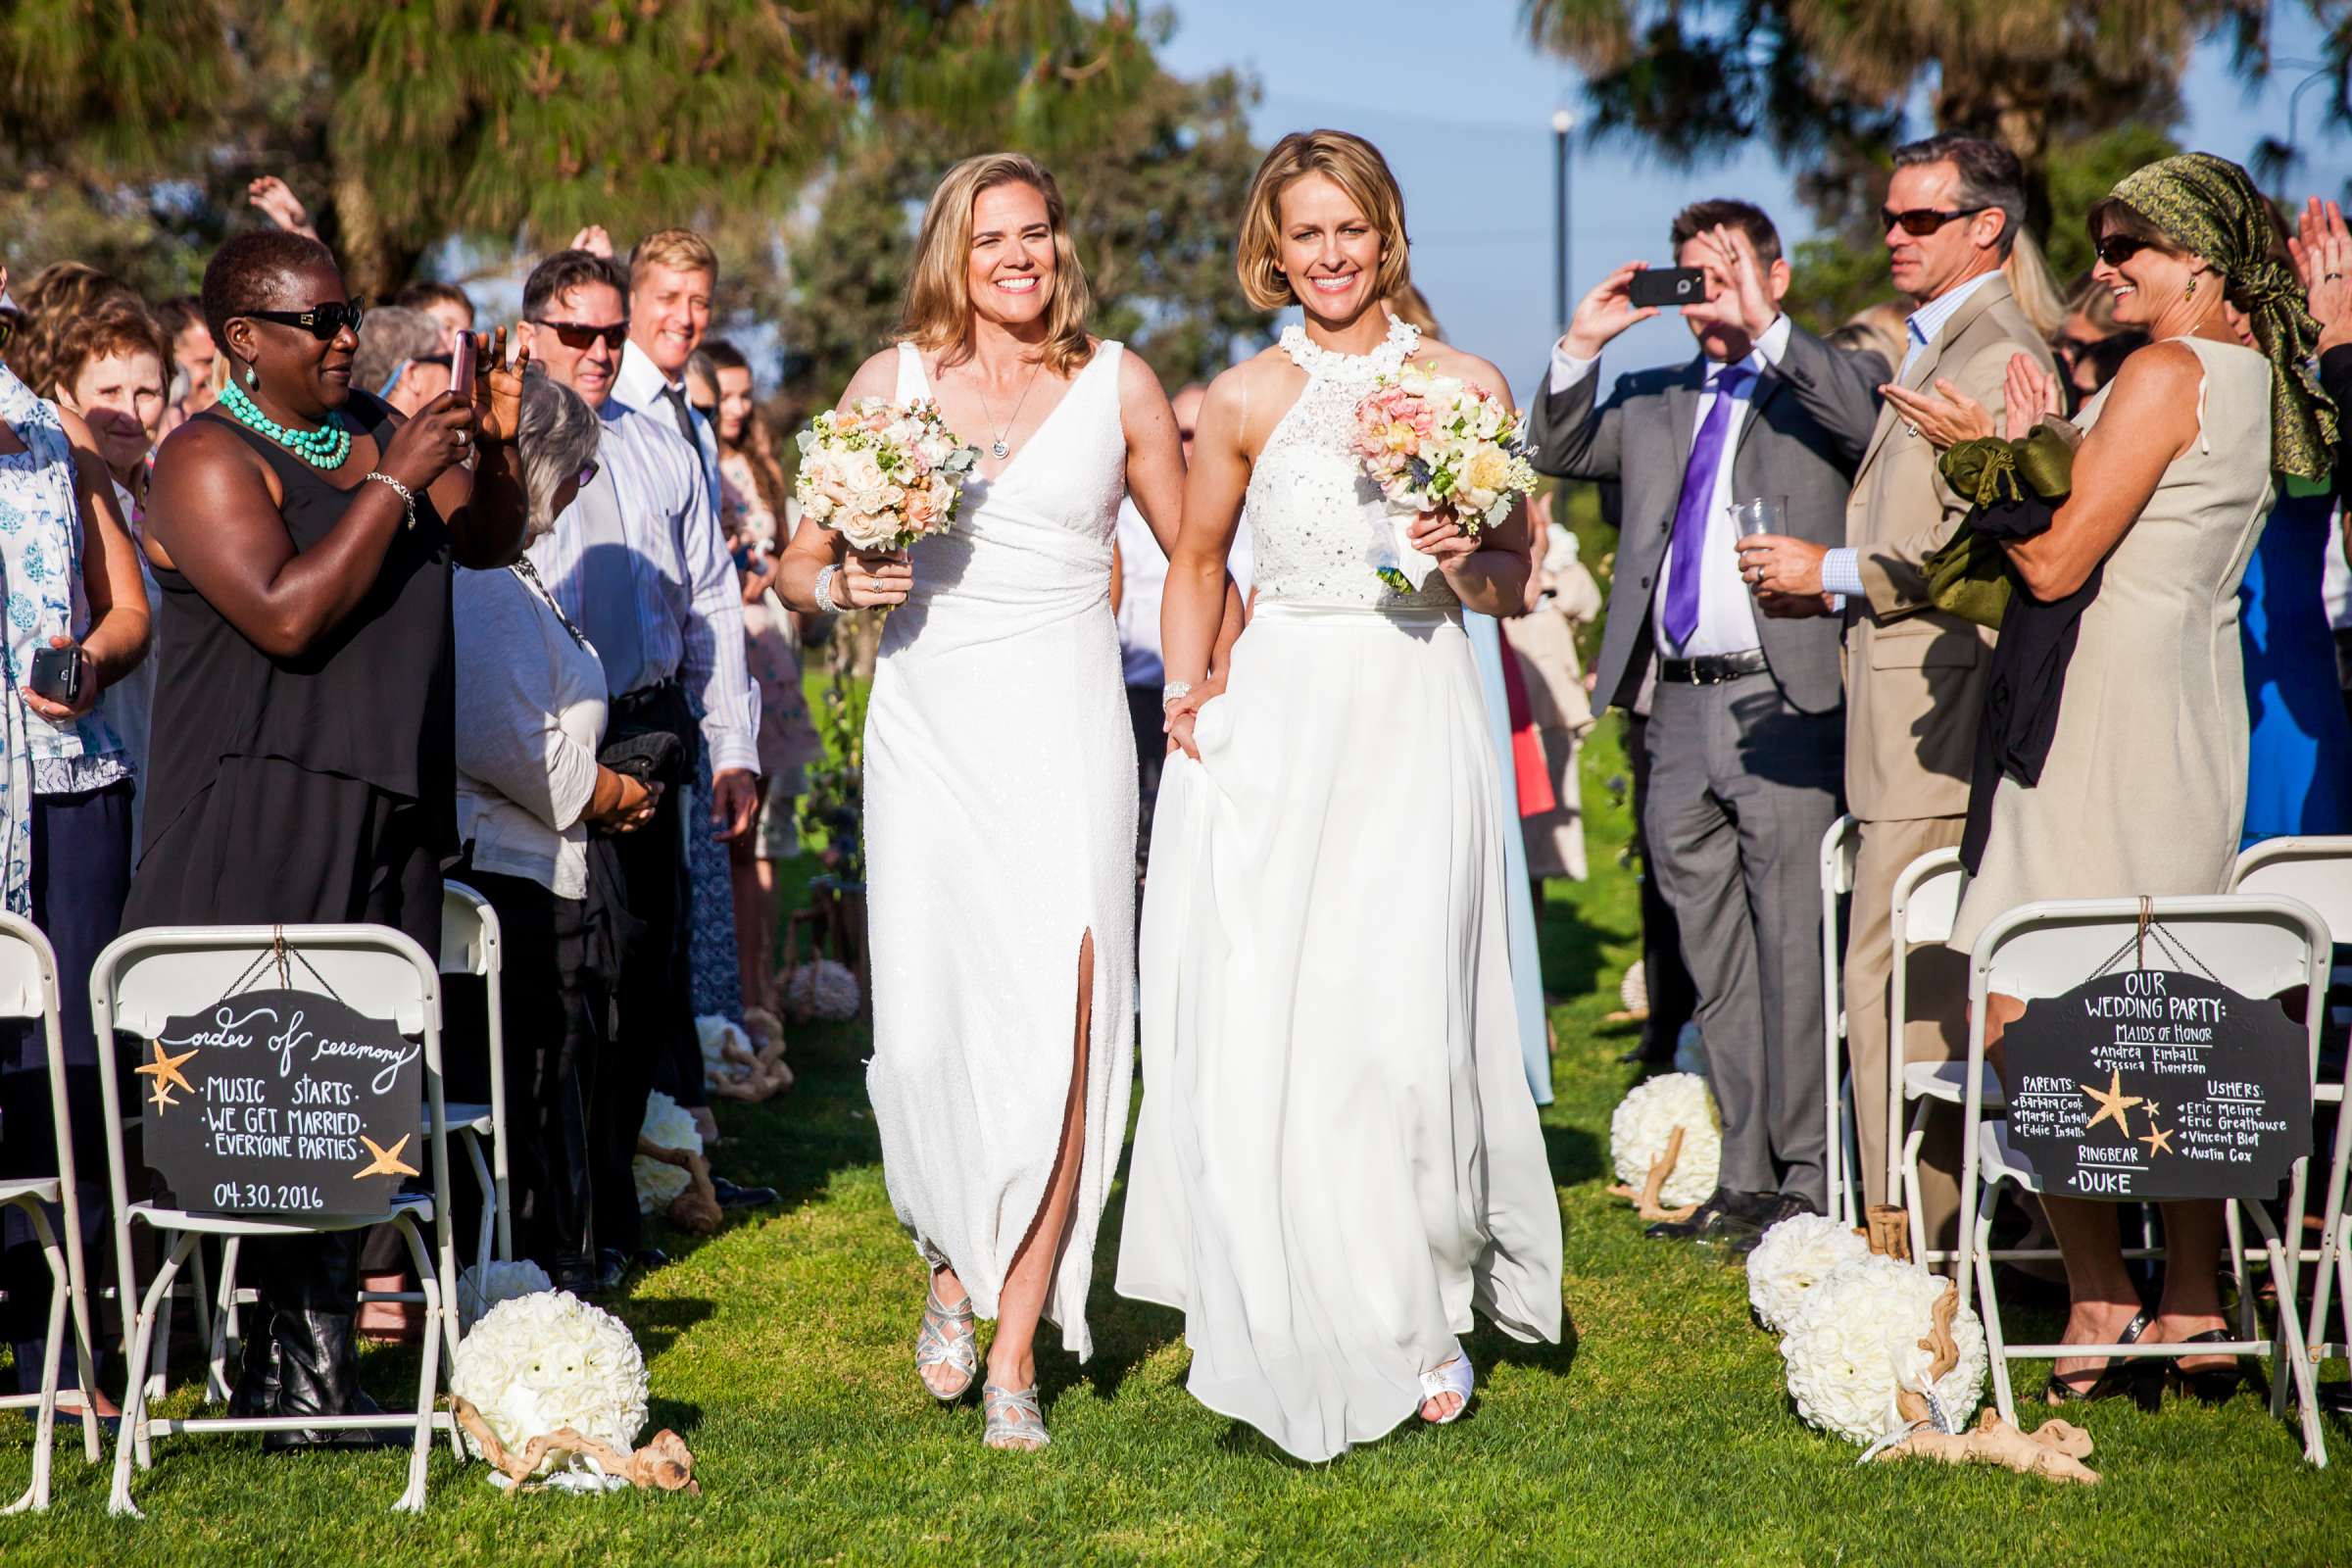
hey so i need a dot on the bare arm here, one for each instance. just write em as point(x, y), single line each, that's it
point(211, 516)
point(1156, 482)
point(2150, 419)
point(116, 638)
point(1193, 604)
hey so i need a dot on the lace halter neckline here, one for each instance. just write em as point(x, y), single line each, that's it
point(1386, 360)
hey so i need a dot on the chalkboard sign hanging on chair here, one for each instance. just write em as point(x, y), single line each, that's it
point(2158, 1084)
point(283, 1102)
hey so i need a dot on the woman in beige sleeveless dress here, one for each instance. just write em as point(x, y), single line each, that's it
point(2143, 787)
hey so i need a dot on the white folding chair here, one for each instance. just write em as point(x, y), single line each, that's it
point(1841, 1158)
point(29, 990)
point(2255, 946)
point(470, 945)
point(2318, 871)
point(150, 975)
point(1924, 907)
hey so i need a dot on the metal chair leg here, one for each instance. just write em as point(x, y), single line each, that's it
point(44, 1426)
point(411, 1500)
point(132, 1438)
point(1989, 1309)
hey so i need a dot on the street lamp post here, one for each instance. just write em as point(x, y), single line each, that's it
point(1563, 122)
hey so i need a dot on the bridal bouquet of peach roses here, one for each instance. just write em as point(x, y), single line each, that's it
point(1431, 441)
point(883, 475)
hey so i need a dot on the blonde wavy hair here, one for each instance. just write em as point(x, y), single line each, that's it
point(1349, 162)
point(938, 314)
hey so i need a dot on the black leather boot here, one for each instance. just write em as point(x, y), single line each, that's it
point(256, 1391)
point(311, 1285)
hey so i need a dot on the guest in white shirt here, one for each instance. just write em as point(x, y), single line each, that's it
point(637, 562)
point(530, 708)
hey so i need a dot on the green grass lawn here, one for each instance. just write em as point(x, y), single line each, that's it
point(1658, 1433)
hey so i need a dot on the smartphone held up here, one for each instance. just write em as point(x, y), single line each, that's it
point(1665, 287)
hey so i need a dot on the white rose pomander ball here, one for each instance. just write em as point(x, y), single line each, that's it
point(549, 1360)
point(1647, 1117)
point(1855, 1343)
point(1790, 1259)
point(484, 1284)
point(667, 1125)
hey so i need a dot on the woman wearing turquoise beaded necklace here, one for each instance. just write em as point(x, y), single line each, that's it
point(302, 761)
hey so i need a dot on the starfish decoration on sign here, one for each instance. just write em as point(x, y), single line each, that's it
point(164, 1074)
point(2113, 1104)
point(386, 1161)
point(2158, 1139)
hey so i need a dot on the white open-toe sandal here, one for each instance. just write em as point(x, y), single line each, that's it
point(1456, 1376)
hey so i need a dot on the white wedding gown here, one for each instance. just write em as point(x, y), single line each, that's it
point(999, 830)
point(1339, 1156)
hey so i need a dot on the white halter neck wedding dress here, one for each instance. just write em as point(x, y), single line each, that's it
point(1000, 831)
point(1339, 1156)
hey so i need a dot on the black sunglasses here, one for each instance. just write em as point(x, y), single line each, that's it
point(578, 335)
point(321, 321)
point(588, 473)
point(2117, 249)
point(1920, 222)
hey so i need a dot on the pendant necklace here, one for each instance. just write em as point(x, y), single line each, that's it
point(999, 446)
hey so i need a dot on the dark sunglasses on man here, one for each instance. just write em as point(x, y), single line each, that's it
point(577, 337)
point(1921, 222)
point(321, 321)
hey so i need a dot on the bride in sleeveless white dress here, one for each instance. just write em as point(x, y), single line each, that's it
point(1338, 1157)
point(1000, 784)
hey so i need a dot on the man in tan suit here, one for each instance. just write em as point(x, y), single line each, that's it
point(1915, 677)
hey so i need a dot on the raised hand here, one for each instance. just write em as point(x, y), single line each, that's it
point(434, 440)
point(1947, 419)
point(2321, 249)
point(2030, 394)
point(496, 390)
point(1737, 291)
point(1604, 313)
point(594, 240)
point(275, 200)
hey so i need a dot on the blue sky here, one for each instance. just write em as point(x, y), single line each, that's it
point(1461, 105)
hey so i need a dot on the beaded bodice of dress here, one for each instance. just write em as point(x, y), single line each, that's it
point(1321, 529)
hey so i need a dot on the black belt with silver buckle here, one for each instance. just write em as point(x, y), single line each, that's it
point(1712, 669)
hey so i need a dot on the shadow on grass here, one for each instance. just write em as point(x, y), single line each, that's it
point(1575, 1155)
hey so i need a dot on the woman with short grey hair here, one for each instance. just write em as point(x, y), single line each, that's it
point(530, 717)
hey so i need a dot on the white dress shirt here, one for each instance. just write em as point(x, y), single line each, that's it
point(530, 717)
point(1144, 580)
point(689, 603)
point(639, 383)
point(1727, 610)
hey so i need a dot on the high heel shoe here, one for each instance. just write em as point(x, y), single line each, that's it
point(2119, 1377)
point(947, 1339)
point(2209, 1384)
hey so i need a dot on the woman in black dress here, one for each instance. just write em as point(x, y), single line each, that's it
point(302, 760)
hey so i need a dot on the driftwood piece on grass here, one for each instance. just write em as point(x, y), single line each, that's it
point(1887, 1228)
point(1661, 1169)
point(695, 1209)
point(2055, 1448)
point(665, 1464)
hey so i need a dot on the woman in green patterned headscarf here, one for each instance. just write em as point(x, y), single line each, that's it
point(2111, 757)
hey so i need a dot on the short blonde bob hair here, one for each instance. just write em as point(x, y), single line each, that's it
point(938, 314)
point(1349, 162)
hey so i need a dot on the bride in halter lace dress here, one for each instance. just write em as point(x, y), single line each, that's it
point(1338, 1157)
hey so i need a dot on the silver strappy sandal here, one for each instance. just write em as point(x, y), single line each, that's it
point(947, 1339)
point(1014, 1421)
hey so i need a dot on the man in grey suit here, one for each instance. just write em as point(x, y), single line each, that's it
point(1747, 723)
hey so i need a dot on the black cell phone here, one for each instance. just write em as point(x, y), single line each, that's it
point(1667, 287)
point(56, 674)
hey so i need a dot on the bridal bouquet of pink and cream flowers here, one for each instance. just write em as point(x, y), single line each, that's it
point(883, 475)
point(1431, 440)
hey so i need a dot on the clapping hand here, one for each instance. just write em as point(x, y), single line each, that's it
point(2322, 248)
point(496, 390)
point(276, 201)
point(1947, 418)
point(1604, 313)
point(2030, 395)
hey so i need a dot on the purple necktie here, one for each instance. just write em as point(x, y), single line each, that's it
point(1690, 540)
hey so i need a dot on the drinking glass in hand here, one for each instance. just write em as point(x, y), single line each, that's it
point(1761, 516)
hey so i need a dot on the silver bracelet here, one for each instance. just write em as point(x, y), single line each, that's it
point(824, 590)
point(408, 497)
point(1174, 692)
